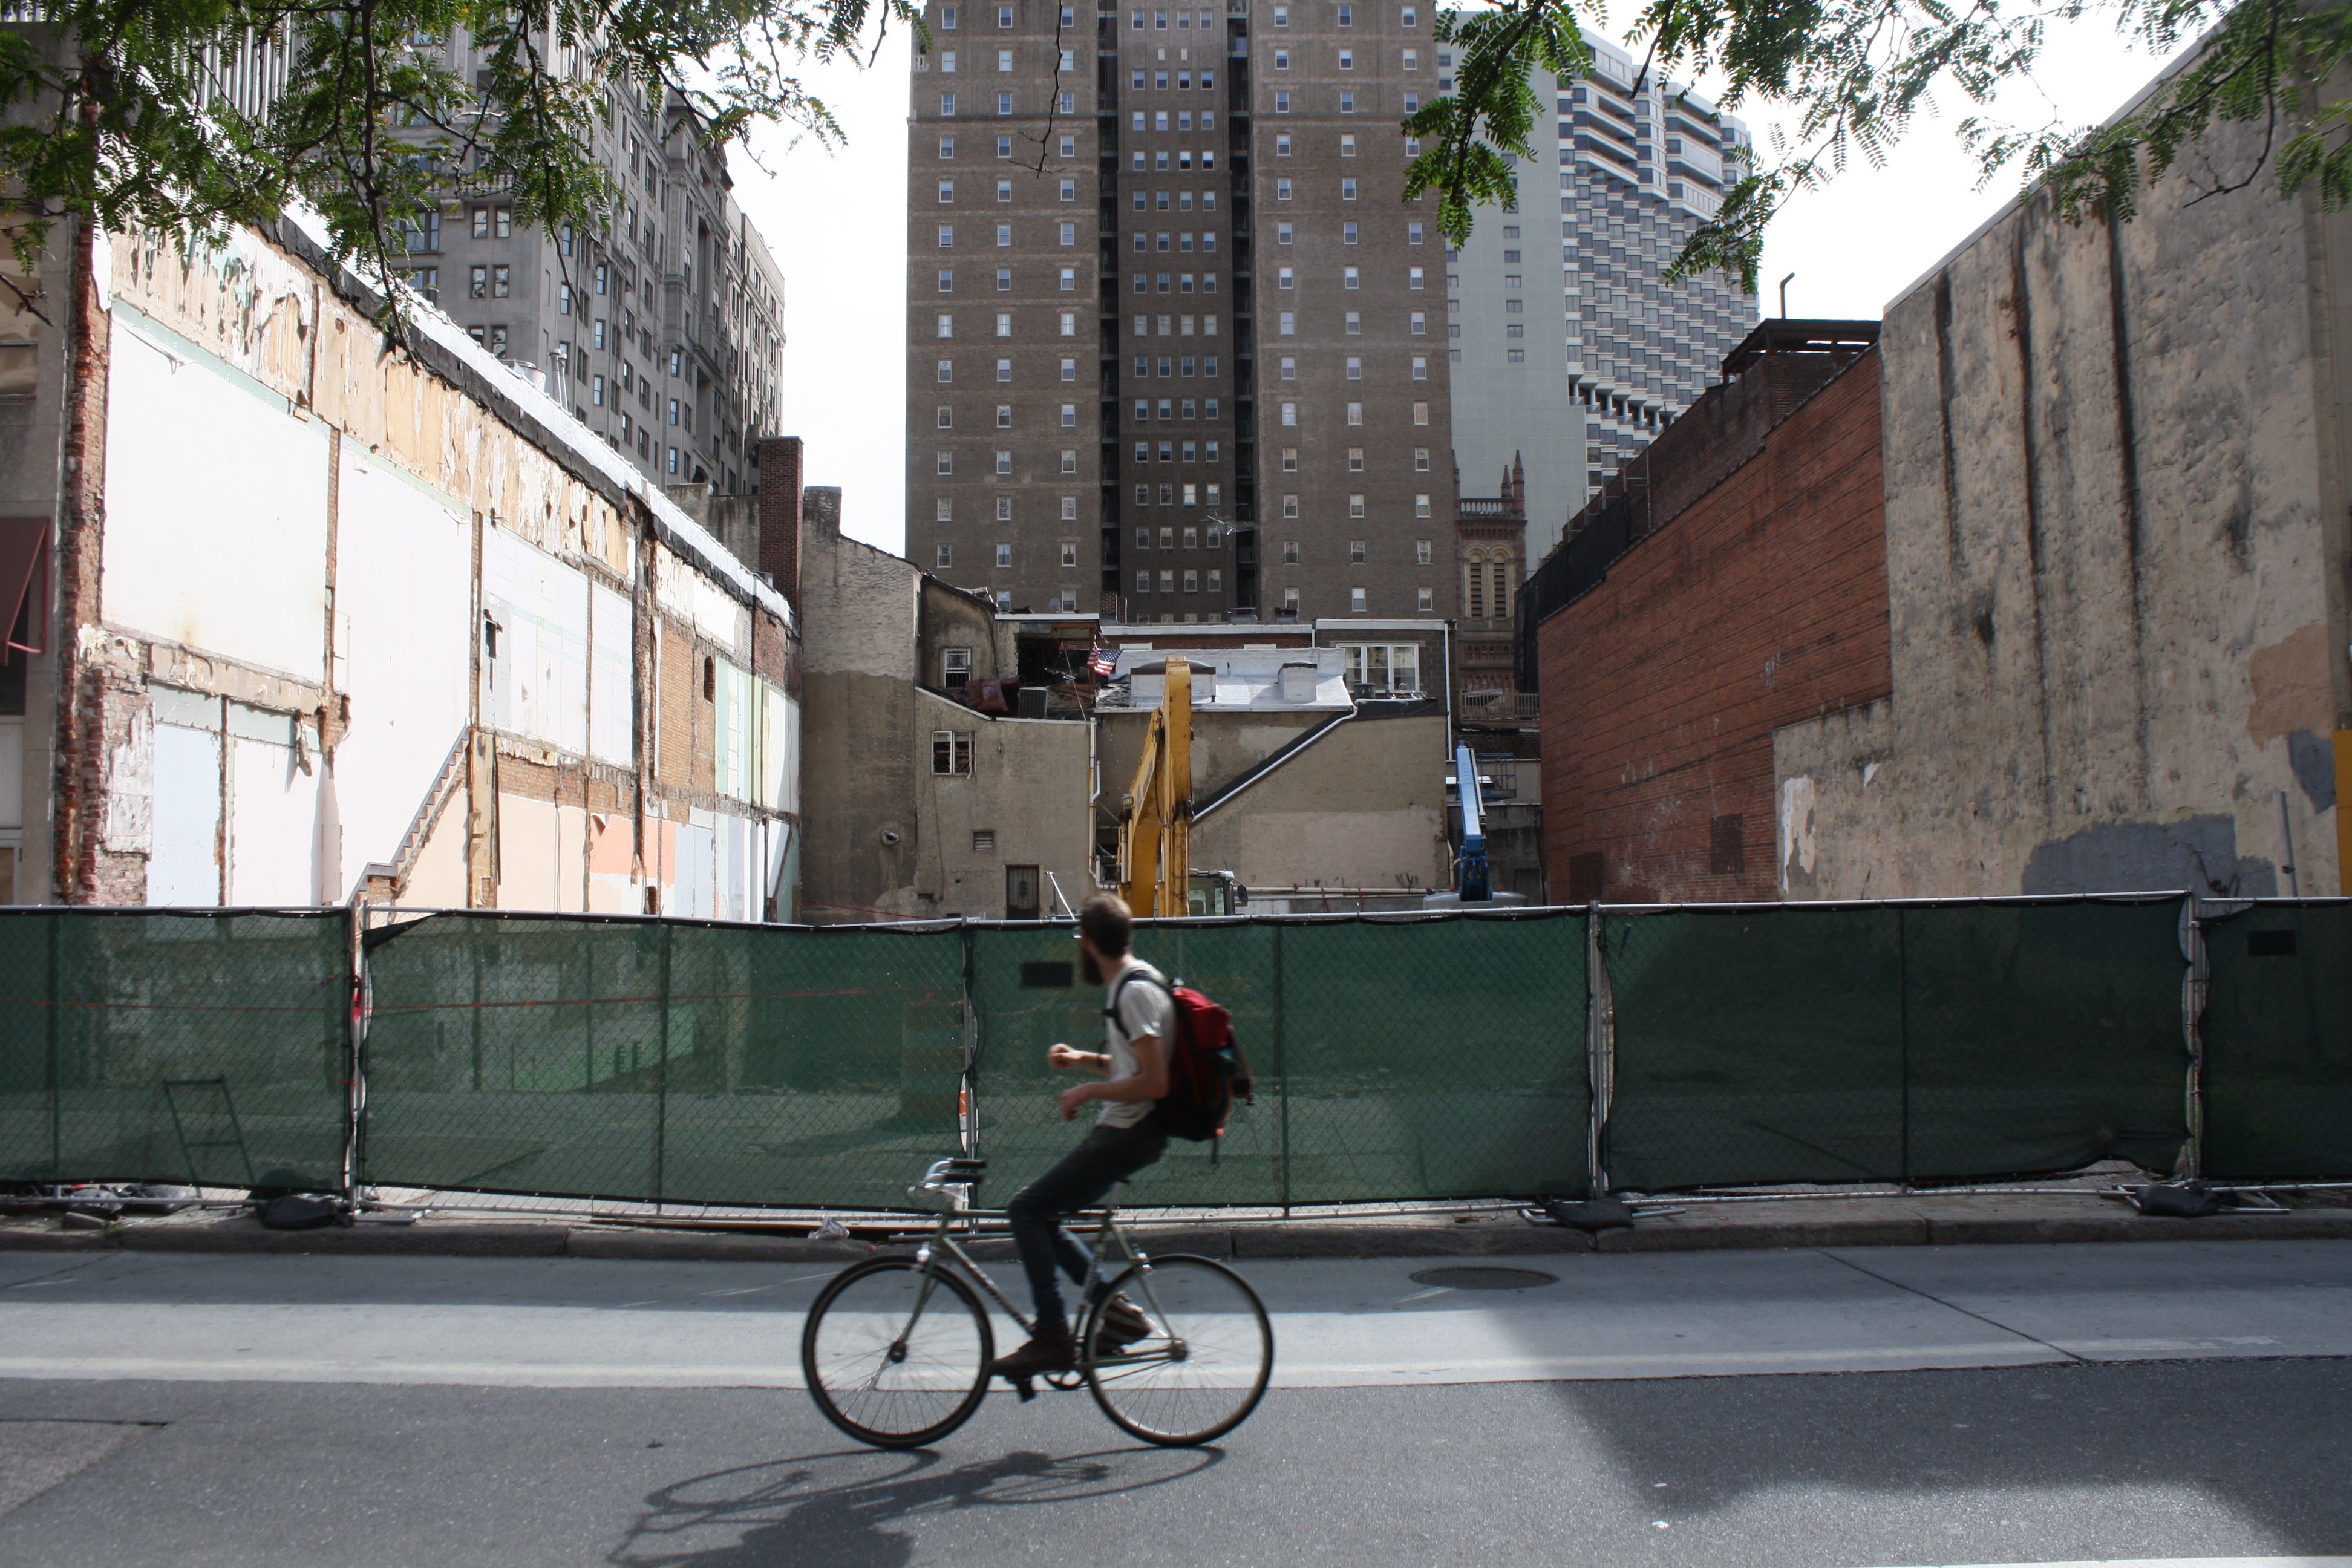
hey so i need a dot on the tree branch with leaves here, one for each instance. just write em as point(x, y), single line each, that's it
point(124, 110)
point(1851, 78)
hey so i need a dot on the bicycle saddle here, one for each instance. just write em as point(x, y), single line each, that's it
point(956, 1171)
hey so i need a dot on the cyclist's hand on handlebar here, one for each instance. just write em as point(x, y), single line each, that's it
point(1060, 1056)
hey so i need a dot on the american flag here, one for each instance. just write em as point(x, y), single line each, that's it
point(1101, 662)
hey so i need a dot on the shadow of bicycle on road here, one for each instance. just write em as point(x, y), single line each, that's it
point(840, 1510)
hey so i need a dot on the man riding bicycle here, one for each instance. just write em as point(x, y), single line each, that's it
point(1138, 1024)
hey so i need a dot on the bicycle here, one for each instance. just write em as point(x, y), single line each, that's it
point(897, 1349)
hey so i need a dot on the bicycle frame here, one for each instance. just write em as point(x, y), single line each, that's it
point(927, 1259)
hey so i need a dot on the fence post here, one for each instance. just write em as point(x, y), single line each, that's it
point(354, 1046)
point(57, 1050)
point(1281, 1075)
point(2195, 980)
point(1903, 1036)
point(1599, 1051)
point(968, 1097)
point(661, 1075)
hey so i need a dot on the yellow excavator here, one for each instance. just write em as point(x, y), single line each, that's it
point(1155, 816)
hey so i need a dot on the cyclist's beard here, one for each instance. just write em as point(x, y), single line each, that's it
point(1088, 970)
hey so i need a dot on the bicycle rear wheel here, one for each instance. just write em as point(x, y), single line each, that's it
point(1201, 1370)
point(897, 1357)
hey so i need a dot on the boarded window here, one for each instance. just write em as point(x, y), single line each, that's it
point(1584, 878)
point(1727, 848)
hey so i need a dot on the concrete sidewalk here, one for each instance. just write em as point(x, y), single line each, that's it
point(1702, 1225)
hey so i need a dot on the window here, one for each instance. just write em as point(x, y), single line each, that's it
point(1004, 416)
point(1069, 455)
point(1004, 323)
point(1282, 190)
point(946, 325)
point(1354, 322)
point(1070, 422)
point(1355, 368)
point(1356, 600)
point(1347, 103)
point(596, 391)
point(947, 192)
point(1289, 367)
point(1004, 508)
point(1421, 553)
point(944, 463)
point(1420, 506)
point(947, 237)
point(947, 369)
point(943, 556)
point(955, 665)
point(1420, 459)
point(947, 417)
point(1282, 146)
point(1290, 460)
point(1347, 146)
point(1069, 552)
point(1003, 463)
point(1355, 413)
point(1003, 556)
point(1424, 599)
point(1004, 146)
point(1421, 413)
point(1382, 670)
point(1418, 324)
point(1346, 58)
point(947, 146)
point(1421, 367)
point(1290, 415)
point(1412, 59)
point(477, 282)
point(950, 753)
point(1143, 582)
point(1005, 62)
point(501, 282)
point(1287, 326)
point(1350, 277)
point(1069, 369)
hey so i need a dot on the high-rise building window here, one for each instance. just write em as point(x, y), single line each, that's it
point(947, 417)
point(1420, 459)
point(1355, 323)
point(947, 192)
point(1355, 368)
point(1069, 456)
point(1421, 367)
point(1347, 190)
point(1004, 416)
point(1003, 462)
point(1421, 413)
point(1350, 277)
point(1289, 324)
point(1420, 506)
point(944, 463)
point(1355, 413)
point(1421, 553)
point(1347, 146)
point(1070, 422)
point(947, 369)
point(946, 235)
point(943, 556)
point(946, 324)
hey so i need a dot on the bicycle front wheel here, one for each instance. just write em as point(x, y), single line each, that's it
point(897, 1355)
point(1203, 1367)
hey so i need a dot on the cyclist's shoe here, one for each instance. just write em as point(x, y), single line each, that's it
point(1121, 1323)
point(1047, 1351)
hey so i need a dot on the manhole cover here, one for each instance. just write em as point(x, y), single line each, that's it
point(1480, 1278)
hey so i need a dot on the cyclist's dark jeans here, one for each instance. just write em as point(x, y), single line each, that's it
point(1080, 1178)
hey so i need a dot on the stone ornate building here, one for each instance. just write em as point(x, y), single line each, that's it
point(1490, 536)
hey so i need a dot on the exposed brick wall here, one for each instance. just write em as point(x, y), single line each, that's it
point(1763, 603)
point(780, 514)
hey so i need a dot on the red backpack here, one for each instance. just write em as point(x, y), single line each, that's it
point(1206, 1070)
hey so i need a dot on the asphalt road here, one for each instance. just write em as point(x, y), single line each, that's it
point(2050, 1405)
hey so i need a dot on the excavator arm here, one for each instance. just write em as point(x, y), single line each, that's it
point(1156, 816)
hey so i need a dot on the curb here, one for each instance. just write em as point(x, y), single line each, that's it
point(1268, 1240)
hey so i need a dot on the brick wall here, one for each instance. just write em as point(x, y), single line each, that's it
point(1763, 603)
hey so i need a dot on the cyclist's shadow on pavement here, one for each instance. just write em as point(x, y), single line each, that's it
point(860, 1508)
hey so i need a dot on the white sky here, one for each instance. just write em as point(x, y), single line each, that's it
point(836, 224)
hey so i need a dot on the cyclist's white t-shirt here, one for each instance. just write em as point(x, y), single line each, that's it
point(1145, 1007)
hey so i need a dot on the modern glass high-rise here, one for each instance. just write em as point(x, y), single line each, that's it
point(1574, 366)
point(1172, 336)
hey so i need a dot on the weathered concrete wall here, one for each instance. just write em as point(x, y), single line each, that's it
point(1225, 745)
point(1361, 807)
point(1027, 792)
point(858, 608)
point(2115, 535)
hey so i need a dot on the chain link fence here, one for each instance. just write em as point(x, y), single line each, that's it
point(2277, 1034)
point(1398, 1058)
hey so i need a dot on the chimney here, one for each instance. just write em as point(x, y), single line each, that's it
point(780, 514)
point(820, 512)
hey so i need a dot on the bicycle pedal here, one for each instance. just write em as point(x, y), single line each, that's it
point(1025, 1389)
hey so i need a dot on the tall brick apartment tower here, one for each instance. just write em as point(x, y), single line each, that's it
point(1175, 346)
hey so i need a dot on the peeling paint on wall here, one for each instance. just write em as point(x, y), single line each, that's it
point(1797, 852)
